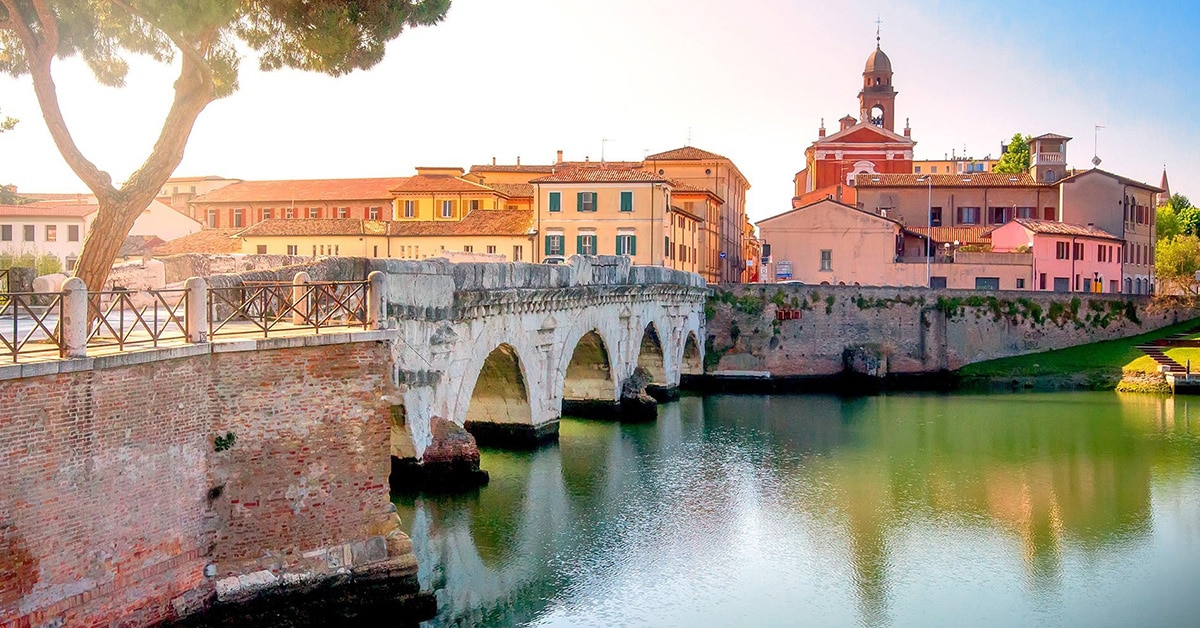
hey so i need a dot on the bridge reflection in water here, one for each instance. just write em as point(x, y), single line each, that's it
point(1073, 508)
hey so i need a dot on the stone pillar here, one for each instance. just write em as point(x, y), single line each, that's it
point(196, 315)
point(300, 298)
point(376, 312)
point(74, 323)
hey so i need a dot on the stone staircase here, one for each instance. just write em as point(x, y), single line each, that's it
point(1156, 350)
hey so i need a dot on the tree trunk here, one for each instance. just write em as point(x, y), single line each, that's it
point(103, 241)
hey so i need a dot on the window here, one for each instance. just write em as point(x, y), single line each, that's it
point(585, 201)
point(51, 233)
point(626, 201)
point(375, 251)
point(1042, 281)
point(933, 169)
point(71, 261)
point(1077, 251)
point(468, 248)
point(447, 209)
point(585, 244)
point(1087, 284)
point(27, 233)
point(626, 244)
point(987, 283)
point(373, 214)
point(72, 233)
point(916, 170)
point(1051, 176)
point(212, 218)
point(1020, 283)
point(1062, 284)
point(410, 209)
point(1113, 286)
point(555, 243)
point(343, 212)
point(937, 283)
point(491, 249)
point(935, 216)
point(261, 249)
point(289, 212)
point(998, 215)
point(826, 259)
point(5, 233)
point(1048, 213)
point(1026, 213)
point(968, 215)
point(237, 217)
point(314, 212)
point(518, 253)
point(292, 250)
point(556, 201)
point(266, 213)
point(1062, 250)
point(666, 246)
point(474, 204)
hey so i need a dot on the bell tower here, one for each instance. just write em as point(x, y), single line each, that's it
point(877, 100)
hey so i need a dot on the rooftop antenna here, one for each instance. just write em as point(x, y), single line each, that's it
point(689, 138)
point(603, 141)
point(1095, 144)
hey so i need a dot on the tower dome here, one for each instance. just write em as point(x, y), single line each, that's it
point(878, 62)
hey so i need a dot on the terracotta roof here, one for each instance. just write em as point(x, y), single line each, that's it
point(77, 197)
point(1117, 177)
point(571, 165)
point(687, 153)
point(495, 168)
point(315, 226)
point(302, 190)
point(438, 183)
point(513, 190)
point(849, 195)
point(601, 175)
point(205, 241)
point(481, 222)
point(1050, 136)
point(1064, 228)
point(47, 210)
point(962, 235)
point(139, 245)
point(965, 180)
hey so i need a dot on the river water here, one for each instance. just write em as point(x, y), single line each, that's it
point(1078, 509)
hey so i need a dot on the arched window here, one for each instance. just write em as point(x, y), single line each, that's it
point(876, 80)
point(1051, 176)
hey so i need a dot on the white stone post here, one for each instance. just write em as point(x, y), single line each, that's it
point(196, 314)
point(376, 304)
point(300, 298)
point(74, 321)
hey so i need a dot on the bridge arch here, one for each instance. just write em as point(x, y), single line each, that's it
point(693, 359)
point(650, 354)
point(499, 393)
point(589, 370)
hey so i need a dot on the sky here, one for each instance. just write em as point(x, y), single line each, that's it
point(750, 80)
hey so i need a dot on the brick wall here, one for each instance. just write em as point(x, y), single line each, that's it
point(113, 498)
point(793, 330)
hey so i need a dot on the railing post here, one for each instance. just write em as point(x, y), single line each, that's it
point(74, 323)
point(196, 313)
point(376, 316)
point(300, 299)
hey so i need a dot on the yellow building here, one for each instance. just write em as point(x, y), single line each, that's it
point(953, 165)
point(614, 210)
point(351, 237)
point(438, 194)
point(705, 205)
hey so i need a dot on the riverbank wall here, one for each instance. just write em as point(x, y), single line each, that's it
point(792, 334)
point(143, 487)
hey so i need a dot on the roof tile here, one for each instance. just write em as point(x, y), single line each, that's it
point(480, 222)
point(303, 190)
point(438, 183)
point(601, 175)
point(206, 241)
point(686, 153)
point(971, 180)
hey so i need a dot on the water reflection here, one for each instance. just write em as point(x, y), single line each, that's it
point(812, 509)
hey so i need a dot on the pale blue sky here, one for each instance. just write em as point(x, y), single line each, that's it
point(751, 80)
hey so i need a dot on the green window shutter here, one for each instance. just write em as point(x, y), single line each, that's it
point(626, 201)
point(547, 250)
point(579, 244)
point(619, 248)
point(579, 201)
point(633, 245)
point(556, 201)
point(592, 245)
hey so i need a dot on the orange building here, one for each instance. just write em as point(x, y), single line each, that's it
point(866, 145)
point(241, 204)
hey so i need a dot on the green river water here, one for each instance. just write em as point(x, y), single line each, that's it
point(1074, 509)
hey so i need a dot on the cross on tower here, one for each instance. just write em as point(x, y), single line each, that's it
point(878, 23)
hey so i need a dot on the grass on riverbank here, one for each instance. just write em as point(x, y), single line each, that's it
point(1100, 357)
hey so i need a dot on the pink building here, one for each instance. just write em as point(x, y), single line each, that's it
point(1066, 257)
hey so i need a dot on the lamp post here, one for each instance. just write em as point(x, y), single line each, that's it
point(929, 232)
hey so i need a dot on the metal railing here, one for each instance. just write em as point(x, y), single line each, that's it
point(132, 319)
point(30, 324)
point(269, 306)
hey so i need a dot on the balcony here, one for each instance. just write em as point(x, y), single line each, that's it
point(1049, 158)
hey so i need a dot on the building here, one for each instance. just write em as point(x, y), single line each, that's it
point(1063, 257)
point(45, 229)
point(615, 210)
point(706, 205)
point(177, 192)
point(1122, 207)
point(719, 175)
point(212, 241)
point(868, 144)
point(442, 193)
point(241, 204)
point(954, 165)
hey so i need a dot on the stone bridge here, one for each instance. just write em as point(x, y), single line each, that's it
point(502, 349)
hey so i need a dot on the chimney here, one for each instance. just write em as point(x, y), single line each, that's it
point(493, 161)
point(821, 131)
point(907, 131)
point(559, 159)
point(1091, 226)
point(586, 159)
point(518, 160)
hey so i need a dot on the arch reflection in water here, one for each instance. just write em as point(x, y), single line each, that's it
point(1077, 508)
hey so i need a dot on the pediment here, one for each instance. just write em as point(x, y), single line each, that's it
point(865, 133)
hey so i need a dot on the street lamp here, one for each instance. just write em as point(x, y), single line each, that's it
point(929, 232)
